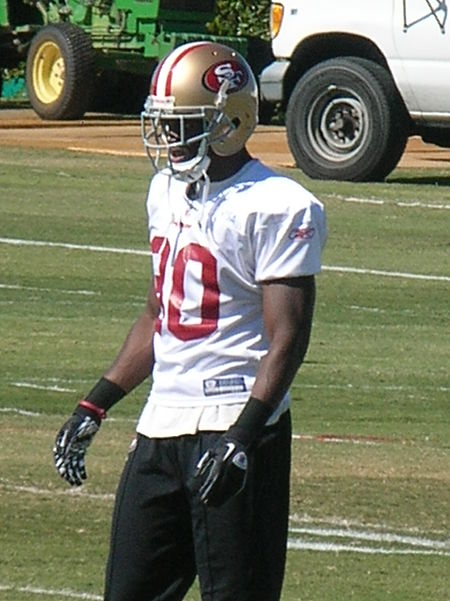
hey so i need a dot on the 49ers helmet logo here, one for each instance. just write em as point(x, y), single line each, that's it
point(230, 70)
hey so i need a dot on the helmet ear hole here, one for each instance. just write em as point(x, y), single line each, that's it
point(236, 122)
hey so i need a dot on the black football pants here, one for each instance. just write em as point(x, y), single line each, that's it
point(163, 536)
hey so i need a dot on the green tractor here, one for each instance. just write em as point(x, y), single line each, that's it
point(96, 55)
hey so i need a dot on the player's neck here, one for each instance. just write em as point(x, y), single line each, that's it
point(222, 168)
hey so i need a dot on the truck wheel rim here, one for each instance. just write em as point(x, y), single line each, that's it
point(337, 124)
point(48, 73)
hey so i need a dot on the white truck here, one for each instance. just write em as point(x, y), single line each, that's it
point(357, 78)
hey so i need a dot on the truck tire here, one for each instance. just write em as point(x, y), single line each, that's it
point(346, 121)
point(60, 72)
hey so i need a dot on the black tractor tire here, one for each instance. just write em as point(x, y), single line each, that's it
point(345, 120)
point(60, 72)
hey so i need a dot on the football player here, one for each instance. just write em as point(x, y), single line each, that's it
point(235, 250)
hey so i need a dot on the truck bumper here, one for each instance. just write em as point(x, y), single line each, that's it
point(271, 81)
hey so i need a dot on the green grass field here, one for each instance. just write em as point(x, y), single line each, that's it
point(370, 482)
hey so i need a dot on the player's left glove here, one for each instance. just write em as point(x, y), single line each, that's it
point(222, 470)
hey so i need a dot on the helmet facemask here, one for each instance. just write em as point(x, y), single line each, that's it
point(167, 129)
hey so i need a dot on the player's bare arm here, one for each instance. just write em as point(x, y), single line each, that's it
point(132, 366)
point(288, 311)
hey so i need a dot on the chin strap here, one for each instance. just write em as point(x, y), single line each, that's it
point(197, 194)
point(191, 171)
point(204, 197)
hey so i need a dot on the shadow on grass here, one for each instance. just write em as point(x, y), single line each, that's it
point(421, 180)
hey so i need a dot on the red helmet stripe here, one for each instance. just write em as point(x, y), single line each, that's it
point(154, 83)
point(187, 51)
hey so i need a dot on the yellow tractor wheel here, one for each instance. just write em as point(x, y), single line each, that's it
point(48, 72)
point(60, 72)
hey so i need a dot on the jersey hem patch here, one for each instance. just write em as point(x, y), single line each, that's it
point(214, 386)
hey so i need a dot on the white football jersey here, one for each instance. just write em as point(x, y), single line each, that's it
point(209, 261)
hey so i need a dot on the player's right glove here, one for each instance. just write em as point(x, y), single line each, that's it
point(71, 445)
point(74, 438)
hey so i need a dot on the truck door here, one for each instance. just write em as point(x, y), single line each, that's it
point(423, 43)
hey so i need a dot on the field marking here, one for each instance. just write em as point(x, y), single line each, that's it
point(131, 251)
point(123, 420)
point(391, 274)
point(33, 590)
point(69, 246)
point(379, 537)
point(121, 153)
point(369, 387)
point(57, 492)
point(352, 523)
point(19, 411)
point(300, 545)
point(53, 388)
point(415, 204)
point(37, 289)
point(369, 441)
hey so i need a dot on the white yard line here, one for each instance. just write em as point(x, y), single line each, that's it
point(337, 522)
point(370, 387)
point(390, 274)
point(415, 204)
point(19, 411)
point(78, 493)
point(33, 590)
point(301, 545)
point(120, 153)
point(334, 439)
point(53, 388)
point(69, 246)
point(131, 251)
point(380, 537)
point(36, 289)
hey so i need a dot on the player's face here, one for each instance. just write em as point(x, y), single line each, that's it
point(177, 135)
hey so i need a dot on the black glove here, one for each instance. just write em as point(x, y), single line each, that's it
point(71, 444)
point(77, 433)
point(223, 470)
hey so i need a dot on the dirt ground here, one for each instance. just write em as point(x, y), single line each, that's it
point(114, 135)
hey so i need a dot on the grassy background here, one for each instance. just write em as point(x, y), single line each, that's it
point(376, 378)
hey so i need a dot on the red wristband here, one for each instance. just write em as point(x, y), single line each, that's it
point(101, 413)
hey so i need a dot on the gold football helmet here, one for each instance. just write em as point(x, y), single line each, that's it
point(202, 95)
